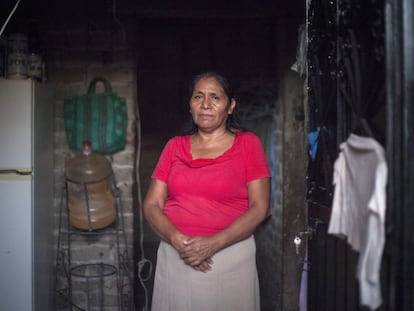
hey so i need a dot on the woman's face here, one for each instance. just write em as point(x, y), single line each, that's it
point(209, 104)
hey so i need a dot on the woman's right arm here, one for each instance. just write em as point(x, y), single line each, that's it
point(153, 210)
point(153, 205)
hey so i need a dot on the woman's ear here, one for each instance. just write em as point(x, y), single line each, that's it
point(232, 106)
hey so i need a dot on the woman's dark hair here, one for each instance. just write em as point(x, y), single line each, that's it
point(224, 83)
point(232, 123)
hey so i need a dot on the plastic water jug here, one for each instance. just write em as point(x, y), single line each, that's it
point(90, 198)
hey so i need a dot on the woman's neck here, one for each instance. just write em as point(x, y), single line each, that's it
point(204, 137)
point(210, 145)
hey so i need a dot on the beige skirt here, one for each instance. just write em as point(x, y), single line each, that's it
point(231, 285)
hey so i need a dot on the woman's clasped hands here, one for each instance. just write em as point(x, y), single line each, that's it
point(197, 252)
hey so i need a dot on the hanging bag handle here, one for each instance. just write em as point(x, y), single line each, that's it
point(92, 85)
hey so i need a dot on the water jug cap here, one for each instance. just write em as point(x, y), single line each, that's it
point(86, 147)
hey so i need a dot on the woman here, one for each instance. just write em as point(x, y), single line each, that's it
point(208, 193)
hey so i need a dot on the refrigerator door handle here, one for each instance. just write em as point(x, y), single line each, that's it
point(15, 172)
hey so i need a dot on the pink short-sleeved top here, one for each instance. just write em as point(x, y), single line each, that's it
point(207, 195)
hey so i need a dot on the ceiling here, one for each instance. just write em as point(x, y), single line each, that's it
point(74, 14)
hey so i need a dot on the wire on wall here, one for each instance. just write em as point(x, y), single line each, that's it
point(8, 18)
point(143, 262)
point(116, 19)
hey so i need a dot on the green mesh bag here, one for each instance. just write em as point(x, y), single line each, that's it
point(100, 118)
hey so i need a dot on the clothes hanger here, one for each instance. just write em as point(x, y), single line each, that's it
point(362, 128)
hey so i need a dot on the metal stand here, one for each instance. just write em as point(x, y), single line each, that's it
point(86, 284)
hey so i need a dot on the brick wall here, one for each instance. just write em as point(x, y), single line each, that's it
point(73, 59)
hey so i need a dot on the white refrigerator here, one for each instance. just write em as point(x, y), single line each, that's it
point(26, 196)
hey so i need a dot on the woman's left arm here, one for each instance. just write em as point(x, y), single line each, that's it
point(201, 248)
point(244, 226)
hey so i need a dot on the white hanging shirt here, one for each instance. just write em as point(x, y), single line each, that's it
point(358, 211)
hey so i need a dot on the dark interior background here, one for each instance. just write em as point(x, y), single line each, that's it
point(248, 41)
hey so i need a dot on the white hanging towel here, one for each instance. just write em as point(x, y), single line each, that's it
point(358, 211)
